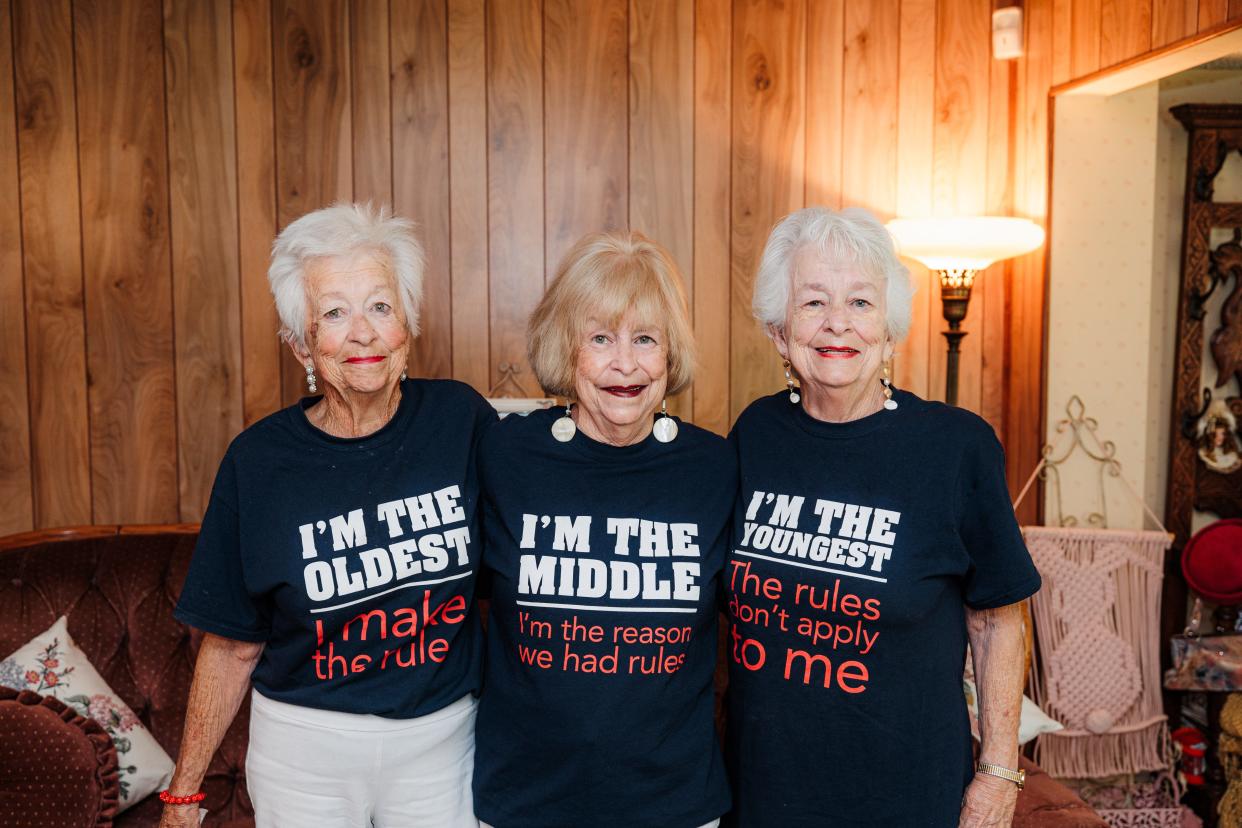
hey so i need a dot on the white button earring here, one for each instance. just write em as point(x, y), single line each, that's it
point(794, 396)
point(665, 428)
point(565, 428)
point(310, 377)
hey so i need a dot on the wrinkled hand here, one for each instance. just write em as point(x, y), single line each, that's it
point(179, 816)
point(989, 803)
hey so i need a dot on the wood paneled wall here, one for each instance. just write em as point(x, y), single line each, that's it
point(149, 151)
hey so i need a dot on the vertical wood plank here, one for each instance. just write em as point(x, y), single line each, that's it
point(515, 179)
point(256, 205)
point(869, 139)
point(1125, 29)
point(467, 77)
point(372, 116)
point(825, 67)
point(198, 55)
point(999, 202)
point(122, 146)
point(915, 140)
point(1084, 37)
point(16, 506)
point(585, 94)
point(313, 126)
point(661, 137)
point(1212, 13)
point(1171, 20)
point(420, 124)
point(52, 262)
point(963, 75)
point(1062, 40)
point(1023, 433)
point(1235, 9)
point(769, 134)
point(713, 24)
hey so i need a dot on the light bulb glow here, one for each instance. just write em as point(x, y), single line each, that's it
point(964, 243)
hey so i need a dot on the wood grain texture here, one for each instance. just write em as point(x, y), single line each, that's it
point(1235, 9)
point(996, 281)
point(256, 206)
point(1125, 29)
point(661, 138)
point(712, 209)
point(769, 153)
point(1084, 37)
point(959, 163)
point(467, 77)
point(198, 75)
point(52, 262)
point(585, 146)
point(869, 139)
point(313, 125)
point(16, 506)
point(916, 100)
point(515, 178)
point(825, 88)
point(1171, 20)
point(1023, 435)
point(370, 90)
point(1212, 13)
point(1062, 40)
point(420, 125)
point(125, 244)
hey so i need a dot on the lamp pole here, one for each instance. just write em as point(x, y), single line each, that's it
point(955, 285)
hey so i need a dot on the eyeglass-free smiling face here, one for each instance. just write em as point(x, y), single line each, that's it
point(357, 336)
point(835, 335)
point(620, 380)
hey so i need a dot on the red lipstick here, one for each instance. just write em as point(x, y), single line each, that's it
point(365, 360)
point(625, 390)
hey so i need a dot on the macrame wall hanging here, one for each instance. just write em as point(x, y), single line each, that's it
point(1097, 624)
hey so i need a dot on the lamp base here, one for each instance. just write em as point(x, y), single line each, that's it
point(955, 288)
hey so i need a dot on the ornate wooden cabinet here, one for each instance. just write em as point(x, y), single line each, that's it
point(1205, 460)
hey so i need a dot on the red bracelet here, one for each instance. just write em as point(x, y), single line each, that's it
point(192, 799)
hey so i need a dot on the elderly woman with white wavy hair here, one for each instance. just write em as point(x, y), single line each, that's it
point(334, 572)
point(873, 540)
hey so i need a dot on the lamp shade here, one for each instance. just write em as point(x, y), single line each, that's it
point(964, 243)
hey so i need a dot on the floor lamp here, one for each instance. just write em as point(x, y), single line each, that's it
point(957, 250)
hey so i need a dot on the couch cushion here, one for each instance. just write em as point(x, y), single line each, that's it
point(1046, 803)
point(51, 754)
point(118, 589)
point(51, 664)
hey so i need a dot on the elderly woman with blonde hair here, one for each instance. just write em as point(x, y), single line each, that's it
point(335, 568)
point(606, 526)
point(873, 540)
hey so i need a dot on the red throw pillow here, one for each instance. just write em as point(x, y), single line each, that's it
point(57, 768)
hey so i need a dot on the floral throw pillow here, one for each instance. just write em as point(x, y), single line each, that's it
point(51, 664)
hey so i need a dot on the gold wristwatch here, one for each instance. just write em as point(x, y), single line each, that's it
point(1017, 777)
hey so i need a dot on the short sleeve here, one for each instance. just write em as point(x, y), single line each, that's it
point(1001, 571)
point(214, 597)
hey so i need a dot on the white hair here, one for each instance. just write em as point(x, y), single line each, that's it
point(850, 237)
point(343, 230)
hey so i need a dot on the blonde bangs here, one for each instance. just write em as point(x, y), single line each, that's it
point(609, 278)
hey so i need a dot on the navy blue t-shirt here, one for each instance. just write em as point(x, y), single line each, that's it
point(857, 548)
point(354, 560)
point(597, 707)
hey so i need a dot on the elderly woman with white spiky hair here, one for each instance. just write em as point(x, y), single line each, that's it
point(334, 572)
point(873, 540)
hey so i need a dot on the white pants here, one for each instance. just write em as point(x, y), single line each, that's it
point(347, 770)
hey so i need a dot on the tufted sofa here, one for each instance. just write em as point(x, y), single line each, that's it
point(118, 586)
